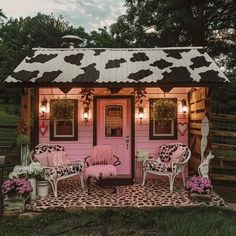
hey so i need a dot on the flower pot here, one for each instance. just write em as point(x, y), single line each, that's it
point(14, 204)
point(200, 197)
point(42, 188)
point(33, 184)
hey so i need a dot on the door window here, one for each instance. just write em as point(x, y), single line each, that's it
point(114, 121)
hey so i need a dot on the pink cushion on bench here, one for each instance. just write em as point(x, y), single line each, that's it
point(42, 158)
point(100, 170)
point(57, 158)
point(177, 155)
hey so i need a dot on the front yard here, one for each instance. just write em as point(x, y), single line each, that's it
point(127, 221)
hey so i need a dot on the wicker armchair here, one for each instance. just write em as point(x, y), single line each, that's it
point(170, 162)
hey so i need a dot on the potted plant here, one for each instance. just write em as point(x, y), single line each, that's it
point(42, 187)
point(164, 110)
point(32, 172)
point(16, 193)
point(61, 109)
point(142, 155)
point(199, 188)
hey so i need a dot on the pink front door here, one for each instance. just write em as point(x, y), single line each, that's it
point(114, 129)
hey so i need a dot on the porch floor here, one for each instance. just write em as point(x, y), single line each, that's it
point(153, 194)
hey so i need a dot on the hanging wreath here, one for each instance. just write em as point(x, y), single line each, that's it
point(164, 110)
point(61, 109)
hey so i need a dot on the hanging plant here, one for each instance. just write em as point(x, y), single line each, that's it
point(61, 109)
point(86, 97)
point(140, 94)
point(164, 110)
point(22, 139)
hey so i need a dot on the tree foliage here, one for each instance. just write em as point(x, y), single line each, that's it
point(208, 23)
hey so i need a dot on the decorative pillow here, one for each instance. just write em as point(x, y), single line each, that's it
point(57, 158)
point(166, 151)
point(178, 154)
point(42, 158)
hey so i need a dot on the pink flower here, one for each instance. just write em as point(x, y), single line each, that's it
point(199, 184)
point(17, 186)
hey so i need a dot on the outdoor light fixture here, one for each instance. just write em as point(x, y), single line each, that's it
point(140, 114)
point(184, 106)
point(43, 106)
point(86, 114)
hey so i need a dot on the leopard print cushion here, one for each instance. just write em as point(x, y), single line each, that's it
point(166, 152)
point(161, 167)
point(59, 171)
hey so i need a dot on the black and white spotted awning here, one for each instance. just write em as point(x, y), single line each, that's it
point(83, 65)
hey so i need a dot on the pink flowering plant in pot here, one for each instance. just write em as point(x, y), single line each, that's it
point(199, 188)
point(20, 187)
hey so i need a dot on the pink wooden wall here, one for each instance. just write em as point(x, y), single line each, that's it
point(81, 148)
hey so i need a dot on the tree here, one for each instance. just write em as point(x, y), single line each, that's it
point(103, 39)
point(19, 36)
point(208, 23)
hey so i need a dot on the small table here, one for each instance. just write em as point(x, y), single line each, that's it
point(2, 167)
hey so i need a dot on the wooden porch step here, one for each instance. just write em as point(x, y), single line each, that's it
point(223, 177)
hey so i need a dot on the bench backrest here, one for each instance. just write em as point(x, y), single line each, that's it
point(50, 155)
point(169, 152)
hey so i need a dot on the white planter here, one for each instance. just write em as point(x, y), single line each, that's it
point(33, 193)
point(42, 188)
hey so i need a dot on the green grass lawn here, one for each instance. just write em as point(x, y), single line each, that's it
point(156, 221)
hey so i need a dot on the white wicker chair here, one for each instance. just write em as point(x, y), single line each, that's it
point(166, 165)
point(62, 170)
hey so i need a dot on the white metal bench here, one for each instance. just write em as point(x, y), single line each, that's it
point(56, 165)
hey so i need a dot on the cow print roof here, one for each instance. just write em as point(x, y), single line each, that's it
point(84, 65)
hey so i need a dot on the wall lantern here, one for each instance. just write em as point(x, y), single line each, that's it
point(184, 106)
point(86, 114)
point(43, 106)
point(140, 114)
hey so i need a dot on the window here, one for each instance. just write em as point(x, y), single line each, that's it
point(114, 121)
point(164, 131)
point(65, 130)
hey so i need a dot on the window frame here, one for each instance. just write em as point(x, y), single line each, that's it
point(152, 136)
point(74, 126)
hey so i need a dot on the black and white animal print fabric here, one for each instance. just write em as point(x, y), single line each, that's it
point(60, 171)
point(163, 164)
point(41, 148)
point(56, 172)
point(83, 65)
point(161, 167)
point(166, 152)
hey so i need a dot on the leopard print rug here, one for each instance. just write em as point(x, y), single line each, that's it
point(153, 194)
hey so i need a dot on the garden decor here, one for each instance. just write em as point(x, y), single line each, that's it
point(199, 188)
point(22, 140)
point(203, 168)
point(61, 109)
point(42, 188)
point(164, 110)
point(141, 156)
point(16, 193)
point(32, 172)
